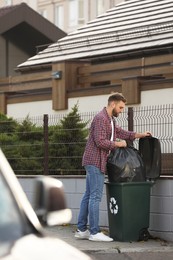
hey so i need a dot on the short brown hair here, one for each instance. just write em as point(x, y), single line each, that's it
point(116, 97)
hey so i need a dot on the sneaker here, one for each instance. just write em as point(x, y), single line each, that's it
point(100, 237)
point(82, 234)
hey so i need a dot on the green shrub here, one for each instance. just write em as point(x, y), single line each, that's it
point(23, 144)
point(67, 143)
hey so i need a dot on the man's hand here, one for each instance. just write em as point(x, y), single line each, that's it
point(141, 135)
point(120, 143)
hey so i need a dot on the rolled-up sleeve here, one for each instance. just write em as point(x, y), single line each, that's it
point(124, 134)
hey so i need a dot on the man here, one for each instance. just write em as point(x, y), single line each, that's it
point(102, 139)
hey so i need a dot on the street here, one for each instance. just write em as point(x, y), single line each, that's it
point(131, 256)
point(153, 249)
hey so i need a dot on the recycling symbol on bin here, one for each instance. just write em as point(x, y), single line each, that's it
point(113, 206)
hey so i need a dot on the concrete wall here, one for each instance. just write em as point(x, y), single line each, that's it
point(161, 209)
point(161, 203)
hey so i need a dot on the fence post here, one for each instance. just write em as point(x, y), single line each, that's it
point(46, 144)
point(130, 122)
point(130, 118)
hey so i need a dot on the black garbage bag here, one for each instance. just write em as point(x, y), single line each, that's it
point(150, 150)
point(125, 165)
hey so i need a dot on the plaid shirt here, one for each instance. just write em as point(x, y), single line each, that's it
point(99, 144)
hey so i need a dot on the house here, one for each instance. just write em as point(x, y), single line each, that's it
point(22, 33)
point(67, 15)
point(127, 49)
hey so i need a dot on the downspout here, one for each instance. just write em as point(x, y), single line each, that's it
point(6, 58)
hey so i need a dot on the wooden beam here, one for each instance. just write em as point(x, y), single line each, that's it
point(156, 84)
point(60, 86)
point(109, 76)
point(116, 65)
point(28, 98)
point(59, 100)
point(26, 83)
point(131, 90)
point(158, 59)
point(130, 63)
point(104, 90)
point(3, 104)
point(162, 69)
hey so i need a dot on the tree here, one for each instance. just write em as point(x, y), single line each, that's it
point(67, 143)
point(22, 144)
point(30, 149)
point(8, 138)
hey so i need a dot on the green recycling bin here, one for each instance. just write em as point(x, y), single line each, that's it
point(129, 202)
point(128, 210)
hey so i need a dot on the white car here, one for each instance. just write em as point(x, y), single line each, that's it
point(21, 228)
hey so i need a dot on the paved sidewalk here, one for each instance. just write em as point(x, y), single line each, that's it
point(66, 233)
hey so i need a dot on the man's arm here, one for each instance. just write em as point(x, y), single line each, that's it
point(122, 143)
point(142, 135)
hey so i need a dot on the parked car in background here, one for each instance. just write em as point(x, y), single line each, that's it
point(21, 228)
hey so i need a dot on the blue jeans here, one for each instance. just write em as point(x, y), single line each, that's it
point(91, 200)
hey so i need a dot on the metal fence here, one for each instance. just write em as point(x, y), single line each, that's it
point(157, 119)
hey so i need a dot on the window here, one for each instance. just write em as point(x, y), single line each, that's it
point(76, 12)
point(81, 19)
point(99, 7)
point(8, 2)
point(59, 16)
point(43, 13)
point(73, 14)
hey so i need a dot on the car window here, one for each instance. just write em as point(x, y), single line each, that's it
point(11, 224)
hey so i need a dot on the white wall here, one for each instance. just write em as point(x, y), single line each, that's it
point(157, 97)
point(86, 104)
point(31, 3)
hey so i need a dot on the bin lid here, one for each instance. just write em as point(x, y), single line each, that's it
point(150, 150)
